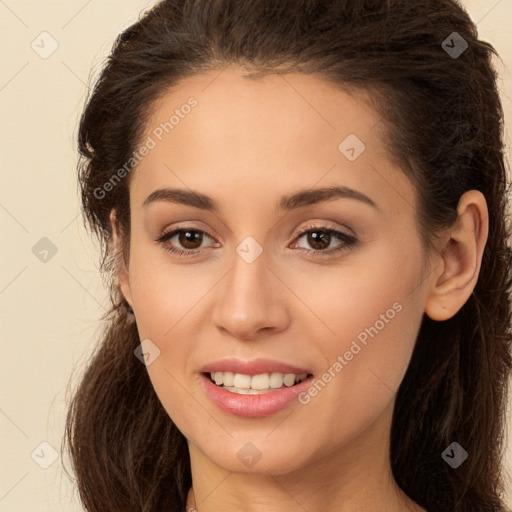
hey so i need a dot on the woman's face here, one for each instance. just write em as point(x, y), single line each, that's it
point(344, 307)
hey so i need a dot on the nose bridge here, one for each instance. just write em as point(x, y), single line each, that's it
point(249, 299)
point(247, 285)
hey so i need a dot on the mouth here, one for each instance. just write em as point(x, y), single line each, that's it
point(254, 388)
point(263, 383)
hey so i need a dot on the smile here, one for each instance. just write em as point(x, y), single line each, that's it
point(255, 384)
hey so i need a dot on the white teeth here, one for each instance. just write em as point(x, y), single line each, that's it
point(247, 384)
point(240, 381)
point(277, 380)
point(249, 391)
point(228, 379)
point(259, 381)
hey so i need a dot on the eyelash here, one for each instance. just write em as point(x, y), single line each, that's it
point(348, 240)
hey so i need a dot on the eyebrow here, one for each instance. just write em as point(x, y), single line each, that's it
point(289, 202)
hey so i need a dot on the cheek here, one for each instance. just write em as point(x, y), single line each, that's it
point(373, 318)
point(363, 291)
point(364, 372)
point(165, 299)
point(167, 296)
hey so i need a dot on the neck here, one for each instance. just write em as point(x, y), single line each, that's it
point(357, 476)
point(270, 497)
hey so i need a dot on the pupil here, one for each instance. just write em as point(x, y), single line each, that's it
point(188, 237)
point(321, 238)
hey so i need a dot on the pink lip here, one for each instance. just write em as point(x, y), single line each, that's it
point(252, 367)
point(254, 406)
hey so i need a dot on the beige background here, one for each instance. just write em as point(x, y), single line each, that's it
point(50, 311)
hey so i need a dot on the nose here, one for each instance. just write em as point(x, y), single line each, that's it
point(251, 300)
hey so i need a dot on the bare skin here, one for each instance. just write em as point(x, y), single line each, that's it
point(245, 144)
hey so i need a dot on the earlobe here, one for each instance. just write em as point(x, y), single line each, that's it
point(121, 269)
point(461, 257)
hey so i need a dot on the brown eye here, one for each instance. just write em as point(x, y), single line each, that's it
point(319, 238)
point(189, 238)
point(317, 241)
point(188, 243)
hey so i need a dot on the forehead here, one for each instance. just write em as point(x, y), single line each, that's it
point(291, 131)
point(230, 105)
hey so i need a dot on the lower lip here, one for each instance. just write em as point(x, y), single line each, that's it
point(254, 406)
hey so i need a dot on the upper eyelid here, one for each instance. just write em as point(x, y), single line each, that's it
point(171, 233)
point(327, 226)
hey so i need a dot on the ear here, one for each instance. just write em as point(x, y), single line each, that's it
point(461, 257)
point(122, 270)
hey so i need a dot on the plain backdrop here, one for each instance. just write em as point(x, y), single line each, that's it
point(51, 294)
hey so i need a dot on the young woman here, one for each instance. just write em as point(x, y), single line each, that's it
point(302, 210)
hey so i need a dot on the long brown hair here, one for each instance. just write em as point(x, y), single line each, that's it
point(442, 121)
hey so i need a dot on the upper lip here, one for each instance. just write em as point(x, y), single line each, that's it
point(252, 366)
